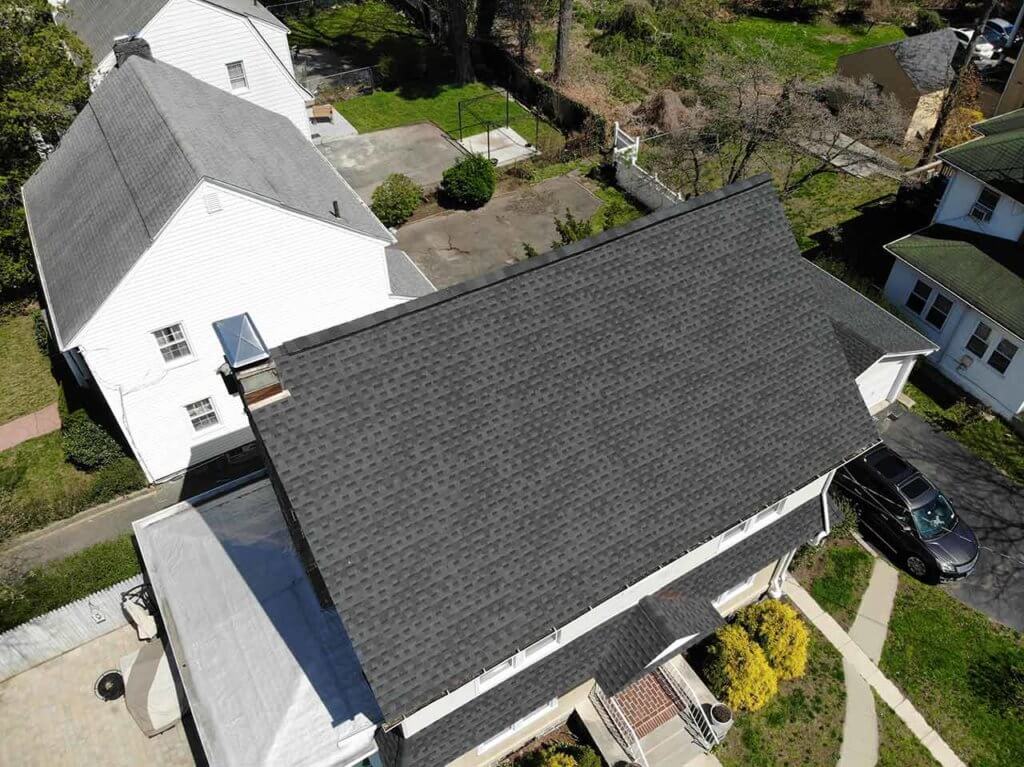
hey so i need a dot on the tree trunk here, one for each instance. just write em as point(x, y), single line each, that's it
point(457, 41)
point(949, 100)
point(562, 43)
point(486, 10)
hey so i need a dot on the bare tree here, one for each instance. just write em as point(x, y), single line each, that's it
point(521, 14)
point(457, 40)
point(562, 41)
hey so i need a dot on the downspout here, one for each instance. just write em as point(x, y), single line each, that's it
point(824, 510)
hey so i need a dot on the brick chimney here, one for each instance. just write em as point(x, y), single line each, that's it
point(126, 47)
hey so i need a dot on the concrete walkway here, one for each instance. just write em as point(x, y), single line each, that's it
point(860, 725)
point(29, 426)
point(860, 663)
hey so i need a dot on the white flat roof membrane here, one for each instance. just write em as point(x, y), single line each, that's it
point(271, 678)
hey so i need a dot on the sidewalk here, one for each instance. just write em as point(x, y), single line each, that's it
point(858, 661)
point(29, 426)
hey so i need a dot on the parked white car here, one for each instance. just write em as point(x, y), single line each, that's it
point(984, 49)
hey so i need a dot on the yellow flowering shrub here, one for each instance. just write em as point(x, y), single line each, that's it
point(778, 630)
point(737, 670)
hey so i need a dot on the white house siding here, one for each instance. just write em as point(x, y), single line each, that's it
point(1003, 392)
point(882, 383)
point(955, 206)
point(605, 611)
point(294, 275)
point(202, 39)
point(277, 39)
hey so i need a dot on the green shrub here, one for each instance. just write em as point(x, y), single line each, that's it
point(40, 332)
point(396, 199)
point(585, 756)
point(469, 183)
point(928, 21)
point(118, 478)
point(738, 672)
point(87, 444)
point(571, 229)
point(780, 633)
point(558, 759)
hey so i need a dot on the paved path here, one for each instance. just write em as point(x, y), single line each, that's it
point(860, 726)
point(28, 426)
point(992, 504)
point(861, 664)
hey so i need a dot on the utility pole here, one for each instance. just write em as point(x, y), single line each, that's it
point(961, 60)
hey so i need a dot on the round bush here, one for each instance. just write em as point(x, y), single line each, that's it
point(928, 21)
point(118, 478)
point(558, 759)
point(87, 444)
point(469, 183)
point(780, 633)
point(738, 672)
point(396, 199)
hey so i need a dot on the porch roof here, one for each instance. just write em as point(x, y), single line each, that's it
point(986, 272)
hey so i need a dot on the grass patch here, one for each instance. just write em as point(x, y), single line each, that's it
point(616, 209)
point(28, 383)
point(58, 583)
point(836, 575)
point(802, 725)
point(796, 49)
point(992, 441)
point(897, 745)
point(951, 662)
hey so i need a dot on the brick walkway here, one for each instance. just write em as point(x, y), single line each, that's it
point(646, 705)
point(28, 426)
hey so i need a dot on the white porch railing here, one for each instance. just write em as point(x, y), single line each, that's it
point(690, 708)
point(618, 724)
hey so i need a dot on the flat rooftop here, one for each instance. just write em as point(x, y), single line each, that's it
point(271, 678)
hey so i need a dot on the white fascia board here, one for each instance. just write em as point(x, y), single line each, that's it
point(607, 610)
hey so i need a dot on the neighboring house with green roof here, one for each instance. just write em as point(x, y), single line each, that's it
point(960, 280)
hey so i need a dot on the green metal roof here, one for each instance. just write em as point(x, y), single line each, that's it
point(987, 272)
point(1010, 121)
point(998, 160)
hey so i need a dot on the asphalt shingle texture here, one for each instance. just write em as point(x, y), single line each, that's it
point(987, 272)
point(98, 22)
point(406, 278)
point(145, 139)
point(615, 654)
point(998, 160)
point(865, 330)
point(478, 466)
point(1011, 121)
point(927, 59)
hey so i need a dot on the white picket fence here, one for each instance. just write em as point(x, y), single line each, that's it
point(641, 184)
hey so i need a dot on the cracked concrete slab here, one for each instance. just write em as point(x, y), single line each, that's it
point(458, 245)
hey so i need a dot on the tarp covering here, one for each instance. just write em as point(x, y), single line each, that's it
point(271, 678)
point(150, 693)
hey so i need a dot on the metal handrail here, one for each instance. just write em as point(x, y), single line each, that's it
point(620, 721)
point(694, 713)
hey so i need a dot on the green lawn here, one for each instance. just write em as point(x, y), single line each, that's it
point(58, 583)
point(28, 384)
point(796, 49)
point(803, 725)
point(954, 665)
point(992, 441)
point(897, 745)
point(836, 575)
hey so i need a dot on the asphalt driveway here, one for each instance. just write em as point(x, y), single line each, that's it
point(458, 245)
point(989, 502)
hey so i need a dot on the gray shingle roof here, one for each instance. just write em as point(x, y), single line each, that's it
point(865, 330)
point(927, 59)
point(406, 278)
point(98, 22)
point(142, 143)
point(480, 465)
point(615, 654)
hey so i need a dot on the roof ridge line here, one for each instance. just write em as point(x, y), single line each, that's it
point(557, 255)
point(178, 139)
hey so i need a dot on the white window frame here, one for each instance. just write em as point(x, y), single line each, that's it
point(213, 411)
point(502, 671)
point(982, 212)
point(518, 726)
point(232, 79)
point(924, 299)
point(733, 591)
point(751, 525)
point(945, 314)
point(187, 357)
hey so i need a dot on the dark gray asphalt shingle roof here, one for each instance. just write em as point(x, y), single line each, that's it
point(478, 466)
point(144, 140)
point(98, 22)
point(927, 59)
point(615, 654)
point(865, 330)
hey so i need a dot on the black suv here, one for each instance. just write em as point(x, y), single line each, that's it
point(908, 515)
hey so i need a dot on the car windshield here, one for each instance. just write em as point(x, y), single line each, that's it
point(934, 520)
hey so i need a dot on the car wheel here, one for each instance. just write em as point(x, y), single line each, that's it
point(917, 567)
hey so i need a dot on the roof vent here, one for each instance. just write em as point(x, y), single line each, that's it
point(250, 371)
point(126, 47)
point(212, 200)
